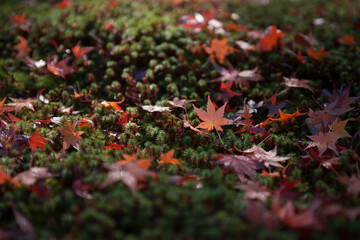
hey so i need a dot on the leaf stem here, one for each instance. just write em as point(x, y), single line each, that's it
point(32, 159)
point(219, 136)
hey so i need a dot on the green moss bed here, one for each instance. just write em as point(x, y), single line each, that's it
point(86, 155)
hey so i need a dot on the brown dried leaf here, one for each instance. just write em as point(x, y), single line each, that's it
point(71, 136)
point(241, 165)
point(30, 176)
point(269, 158)
point(297, 83)
point(19, 104)
point(176, 102)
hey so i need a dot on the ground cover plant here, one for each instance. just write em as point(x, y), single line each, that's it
point(175, 119)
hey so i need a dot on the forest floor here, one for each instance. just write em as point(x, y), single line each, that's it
point(175, 119)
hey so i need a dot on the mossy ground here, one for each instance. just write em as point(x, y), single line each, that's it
point(146, 40)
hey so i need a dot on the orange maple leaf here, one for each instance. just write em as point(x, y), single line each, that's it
point(285, 117)
point(271, 40)
point(36, 141)
point(347, 40)
point(211, 117)
point(79, 51)
point(168, 158)
point(115, 105)
point(18, 19)
point(4, 178)
point(5, 115)
point(71, 136)
point(318, 55)
point(218, 50)
point(22, 47)
point(143, 163)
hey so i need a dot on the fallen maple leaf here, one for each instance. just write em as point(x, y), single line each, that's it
point(20, 21)
point(271, 40)
point(70, 135)
point(197, 22)
point(82, 190)
point(168, 158)
point(338, 128)
point(247, 116)
point(305, 40)
point(116, 146)
point(113, 3)
point(272, 105)
point(352, 183)
point(36, 141)
point(240, 78)
point(323, 141)
point(143, 163)
point(35, 65)
point(241, 165)
point(64, 4)
point(115, 105)
point(130, 174)
point(181, 103)
point(22, 47)
point(339, 101)
point(27, 228)
point(218, 50)
point(80, 52)
point(19, 104)
point(269, 158)
point(227, 93)
point(150, 108)
point(5, 115)
point(297, 83)
point(300, 57)
point(245, 46)
point(4, 178)
point(291, 219)
point(285, 117)
point(258, 215)
point(319, 120)
point(347, 40)
point(59, 68)
point(318, 55)
point(254, 191)
point(212, 119)
point(30, 176)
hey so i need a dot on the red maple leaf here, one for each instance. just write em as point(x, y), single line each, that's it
point(318, 55)
point(227, 93)
point(59, 68)
point(36, 141)
point(63, 4)
point(271, 40)
point(241, 165)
